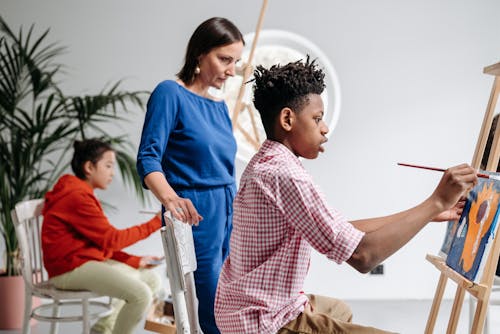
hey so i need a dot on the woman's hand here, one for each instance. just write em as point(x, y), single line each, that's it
point(183, 209)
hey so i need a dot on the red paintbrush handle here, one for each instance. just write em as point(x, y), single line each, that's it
point(486, 176)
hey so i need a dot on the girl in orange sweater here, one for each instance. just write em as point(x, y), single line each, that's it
point(82, 250)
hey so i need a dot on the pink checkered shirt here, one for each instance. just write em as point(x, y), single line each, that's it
point(278, 215)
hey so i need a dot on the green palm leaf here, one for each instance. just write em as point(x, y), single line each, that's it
point(39, 123)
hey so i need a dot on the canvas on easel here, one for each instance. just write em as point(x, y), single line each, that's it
point(457, 228)
point(475, 231)
point(451, 230)
point(481, 287)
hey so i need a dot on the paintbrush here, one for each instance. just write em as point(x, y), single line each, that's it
point(149, 212)
point(486, 176)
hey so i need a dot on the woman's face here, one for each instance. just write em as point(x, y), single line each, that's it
point(219, 64)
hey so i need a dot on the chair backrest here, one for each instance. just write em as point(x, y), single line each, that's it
point(27, 218)
point(178, 244)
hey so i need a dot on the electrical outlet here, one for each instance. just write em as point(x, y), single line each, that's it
point(378, 270)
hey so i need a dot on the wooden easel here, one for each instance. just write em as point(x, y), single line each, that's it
point(482, 290)
point(245, 71)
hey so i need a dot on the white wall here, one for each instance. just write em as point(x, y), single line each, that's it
point(412, 91)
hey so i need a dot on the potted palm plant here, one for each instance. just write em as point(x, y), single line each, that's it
point(39, 123)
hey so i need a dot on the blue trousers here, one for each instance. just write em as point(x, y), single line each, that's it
point(211, 242)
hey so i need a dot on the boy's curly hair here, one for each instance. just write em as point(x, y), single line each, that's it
point(285, 86)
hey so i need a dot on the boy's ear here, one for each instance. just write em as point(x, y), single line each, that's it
point(286, 119)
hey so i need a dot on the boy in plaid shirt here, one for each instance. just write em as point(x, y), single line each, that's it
point(279, 216)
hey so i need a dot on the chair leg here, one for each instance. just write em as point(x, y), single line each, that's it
point(86, 322)
point(192, 304)
point(27, 311)
point(54, 326)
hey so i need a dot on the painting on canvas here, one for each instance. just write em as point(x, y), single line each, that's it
point(451, 230)
point(475, 230)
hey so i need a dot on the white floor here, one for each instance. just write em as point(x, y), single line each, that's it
point(406, 317)
point(410, 317)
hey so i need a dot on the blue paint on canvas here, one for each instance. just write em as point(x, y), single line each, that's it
point(475, 230)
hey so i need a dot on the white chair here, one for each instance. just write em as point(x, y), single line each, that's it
point(494, 300)
point(27, 220)
point(177, 239)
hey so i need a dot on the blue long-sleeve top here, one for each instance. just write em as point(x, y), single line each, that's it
point(187, 137)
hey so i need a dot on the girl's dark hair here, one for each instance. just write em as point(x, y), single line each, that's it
point(285, 86)
point(87, 150)
point(212, 33)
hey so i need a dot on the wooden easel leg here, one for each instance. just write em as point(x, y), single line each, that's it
point(438, 296)
point(472, 305)
point(482, 290)
point(486, 126)
point(455, 311)
point(247, 71)
point(479, 316)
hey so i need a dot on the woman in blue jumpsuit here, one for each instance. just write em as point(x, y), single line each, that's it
point(187, 151)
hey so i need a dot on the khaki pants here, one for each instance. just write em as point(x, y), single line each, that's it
point(132, 291)
point(326, 315)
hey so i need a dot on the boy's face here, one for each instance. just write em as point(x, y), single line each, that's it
point(308, 129)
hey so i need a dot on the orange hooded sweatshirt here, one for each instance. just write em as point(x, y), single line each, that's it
point(75, 229)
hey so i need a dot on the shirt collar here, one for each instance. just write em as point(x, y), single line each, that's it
point(271, 147)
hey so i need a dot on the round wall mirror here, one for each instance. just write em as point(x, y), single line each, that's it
point(276, 46)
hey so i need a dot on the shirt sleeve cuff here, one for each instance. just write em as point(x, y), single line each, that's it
point(344, 251)
point(148, 168)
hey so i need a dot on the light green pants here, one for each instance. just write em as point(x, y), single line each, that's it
point(132, 291)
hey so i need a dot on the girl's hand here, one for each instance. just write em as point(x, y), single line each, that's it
point(151, 261)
